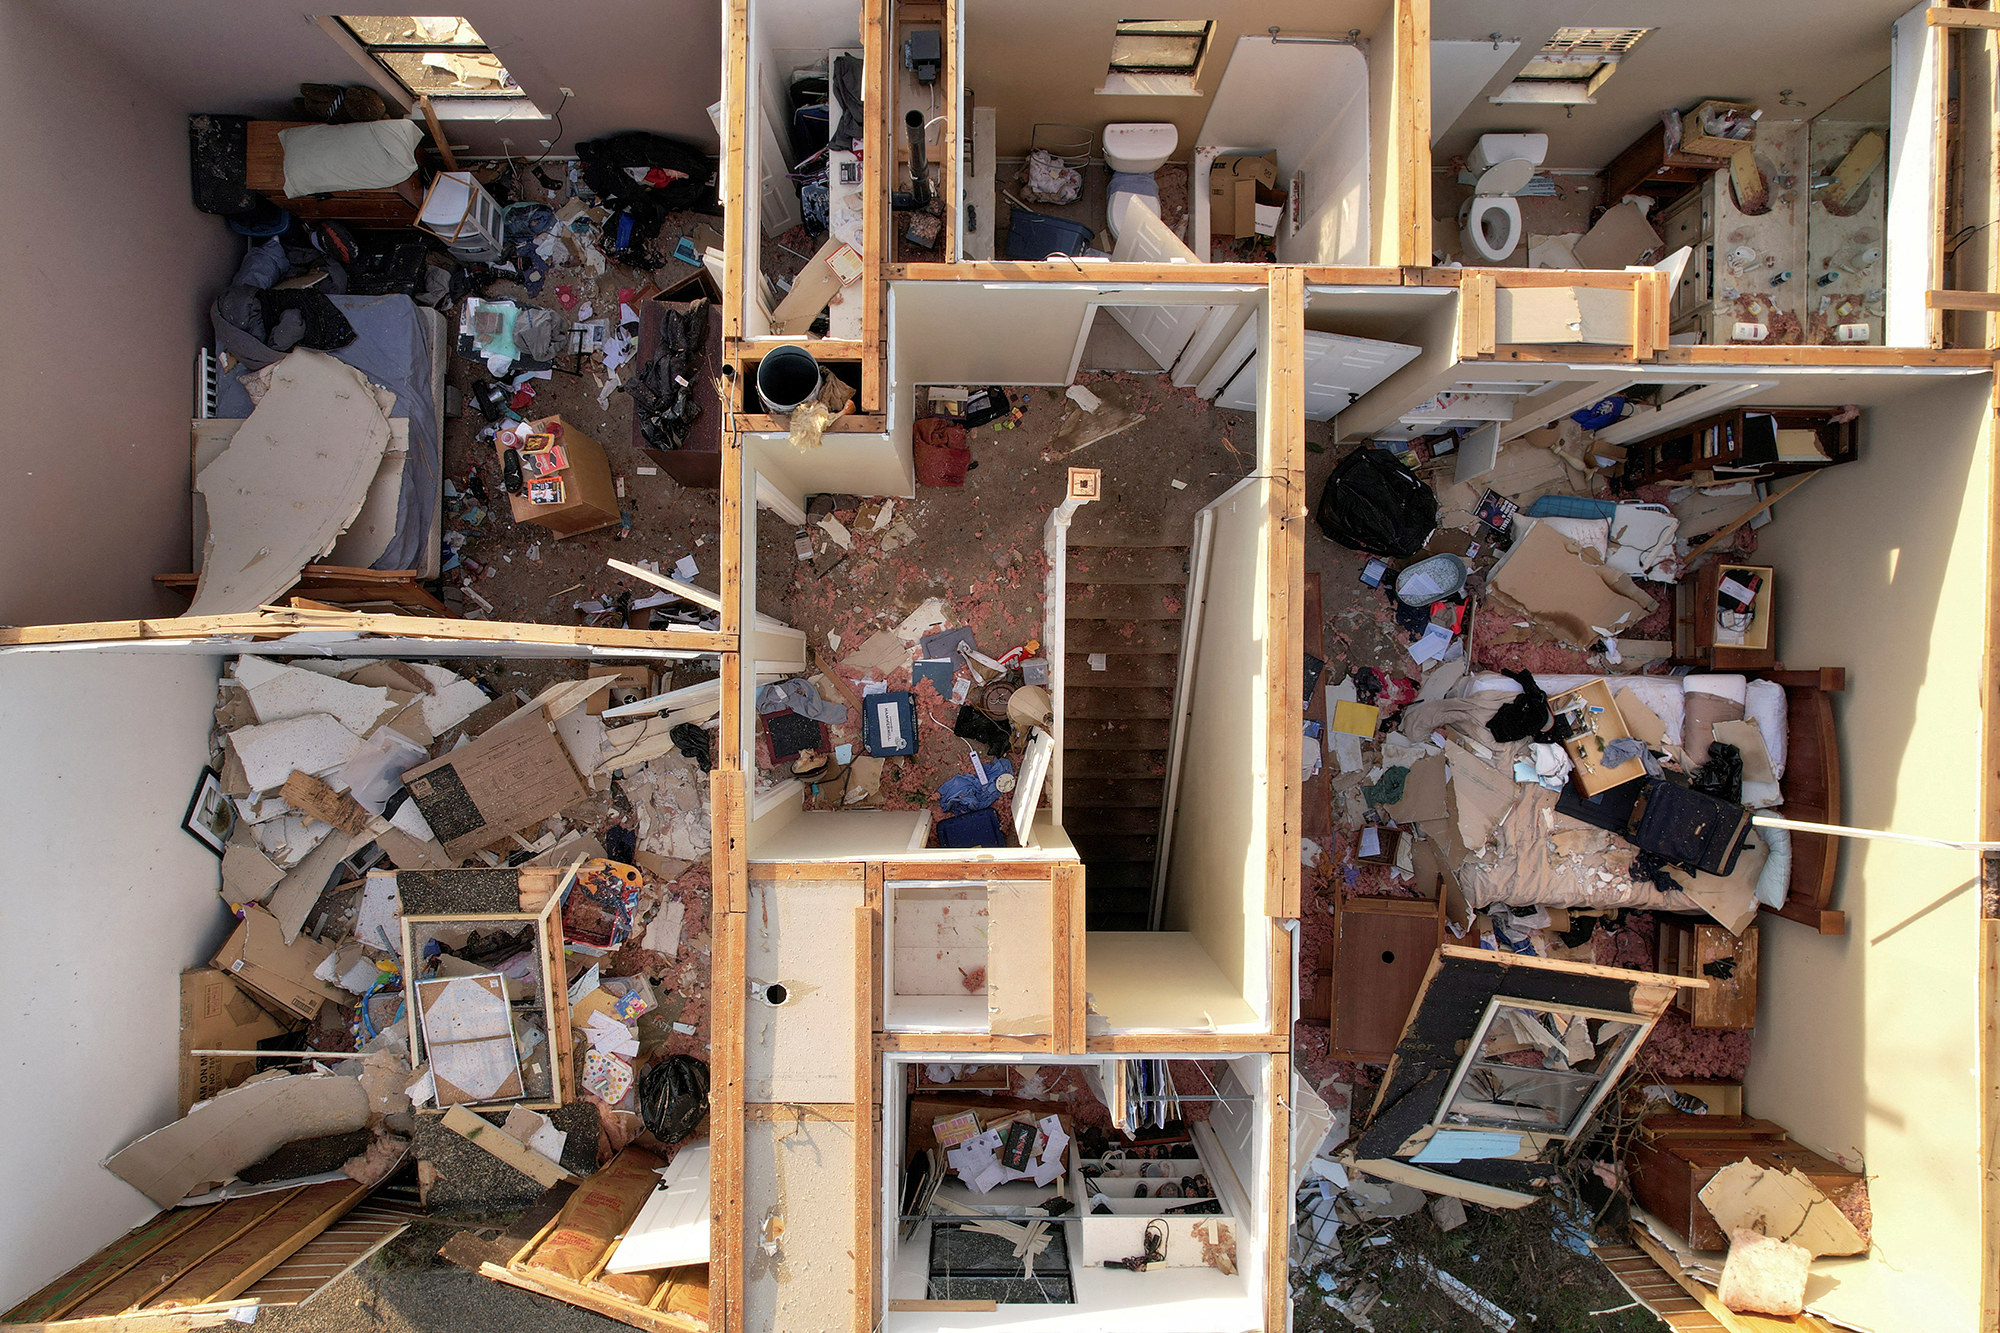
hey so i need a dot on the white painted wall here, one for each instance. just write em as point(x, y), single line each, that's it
point(1308, 101)
point(103, 902)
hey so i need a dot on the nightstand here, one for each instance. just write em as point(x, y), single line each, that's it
point(1696, 629)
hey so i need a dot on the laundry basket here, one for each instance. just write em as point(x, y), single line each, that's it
point(459, 212)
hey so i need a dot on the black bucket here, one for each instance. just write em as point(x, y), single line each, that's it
point(787, 379)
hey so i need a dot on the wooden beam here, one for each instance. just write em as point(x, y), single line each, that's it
point(1755, 358)
point(1008, 270)
point(445, 154)
point(1986, 301)
point(726, 1116)
point(739, 104)
point(1436, 1182)
point(277, 623)
point(878, 78)
point(1279, 1202)
point(1189, 1043)
point(1962, 18)
point(1075, 1016)
point(1412, 133)
point(1989, 925)
point(1284, 423)
point(809, 872)
point(867, 1204)
point(1013, 868)
point(1477, 311)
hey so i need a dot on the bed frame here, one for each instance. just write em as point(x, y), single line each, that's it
point(1812, 793)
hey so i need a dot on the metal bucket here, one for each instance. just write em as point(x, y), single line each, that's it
point(787, 379)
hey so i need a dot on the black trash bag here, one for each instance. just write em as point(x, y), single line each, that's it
point(673, 1097)
point(1373, 503)
point(320, 324)
point(1721, 775)
point(665, 396)
point(683, 179)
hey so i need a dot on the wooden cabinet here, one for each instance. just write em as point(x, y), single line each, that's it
point(1646, 167)
point(590, 500)
point(1744, 444)
point(1669, 1171)
point(1696, 627)
point(1726, 1002)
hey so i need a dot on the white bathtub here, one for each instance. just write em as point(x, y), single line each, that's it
point(1309, 101)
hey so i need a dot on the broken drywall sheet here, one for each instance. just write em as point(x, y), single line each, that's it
point(237, 1129)
point(375, 526)
point(1785, 1204)
point(270, 752)
point(292, 479)
point(279, 693)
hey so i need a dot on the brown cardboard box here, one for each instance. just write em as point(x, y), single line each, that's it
point(217, 1014)
point(639, 678)
point(1233, 185)
point(590, 498)
point(277, 974)
point(515, 775)
point(1549, 580)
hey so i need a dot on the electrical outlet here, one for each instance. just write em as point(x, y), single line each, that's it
point(506, 145)
point(546, 143)
point(566, 92)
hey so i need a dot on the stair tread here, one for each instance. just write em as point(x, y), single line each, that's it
point(1113, 634)
point(1121, 669)
point(1106, 793)
point(1125, 601)
point(1119, 734)
point(1088, 764)
point(1127, 564)
point(1111, 702)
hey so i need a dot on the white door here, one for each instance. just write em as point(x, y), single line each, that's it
point(1339, 369)
point(1028, 783)
point(778, 206)
point(1163, 330)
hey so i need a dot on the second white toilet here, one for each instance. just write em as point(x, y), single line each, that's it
point(1490, 221)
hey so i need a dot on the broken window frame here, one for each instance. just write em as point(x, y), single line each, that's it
point(1200, 31)
point(511, 92)
point(1578, 59)
point(1604, 1078)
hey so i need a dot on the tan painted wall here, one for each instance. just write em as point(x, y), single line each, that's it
point(634, 64)
point(1865, 1043)
point(1702, 48)
point(802, 935)
point(106, 278)
point(1043, 60)
point(798, 1176)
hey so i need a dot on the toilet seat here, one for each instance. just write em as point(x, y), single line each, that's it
point(1492, 226)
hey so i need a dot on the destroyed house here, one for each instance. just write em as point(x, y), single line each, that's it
point(942, 664)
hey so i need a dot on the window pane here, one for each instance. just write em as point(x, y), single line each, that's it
point(468, 74)
point(411, 30)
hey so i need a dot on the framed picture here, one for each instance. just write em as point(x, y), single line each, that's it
point(209, 815)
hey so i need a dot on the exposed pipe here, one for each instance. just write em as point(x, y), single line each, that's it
point(920, 172)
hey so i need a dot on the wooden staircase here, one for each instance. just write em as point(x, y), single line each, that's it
point(1124, 601)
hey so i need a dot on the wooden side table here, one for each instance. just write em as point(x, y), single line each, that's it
point(590, 500)
point(1695, 625)
point(1684, 950)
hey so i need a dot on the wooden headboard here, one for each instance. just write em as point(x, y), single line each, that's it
point(1812, 792)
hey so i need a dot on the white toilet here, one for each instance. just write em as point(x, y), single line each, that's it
point(1134, 152)
point(1490, 221)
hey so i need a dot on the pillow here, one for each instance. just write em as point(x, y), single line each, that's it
point(1775, 879)
point(320, 159)
point(1764, 704)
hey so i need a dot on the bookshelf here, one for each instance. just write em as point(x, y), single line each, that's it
point(1750, 443)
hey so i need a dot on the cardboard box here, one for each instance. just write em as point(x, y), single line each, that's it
point(1548, 579)
point(1598, 316)
point(1237, 184)
point(277, 974)
point(512, 777)
point(217, 1014)
point(1702, 144)
point(638, 678)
